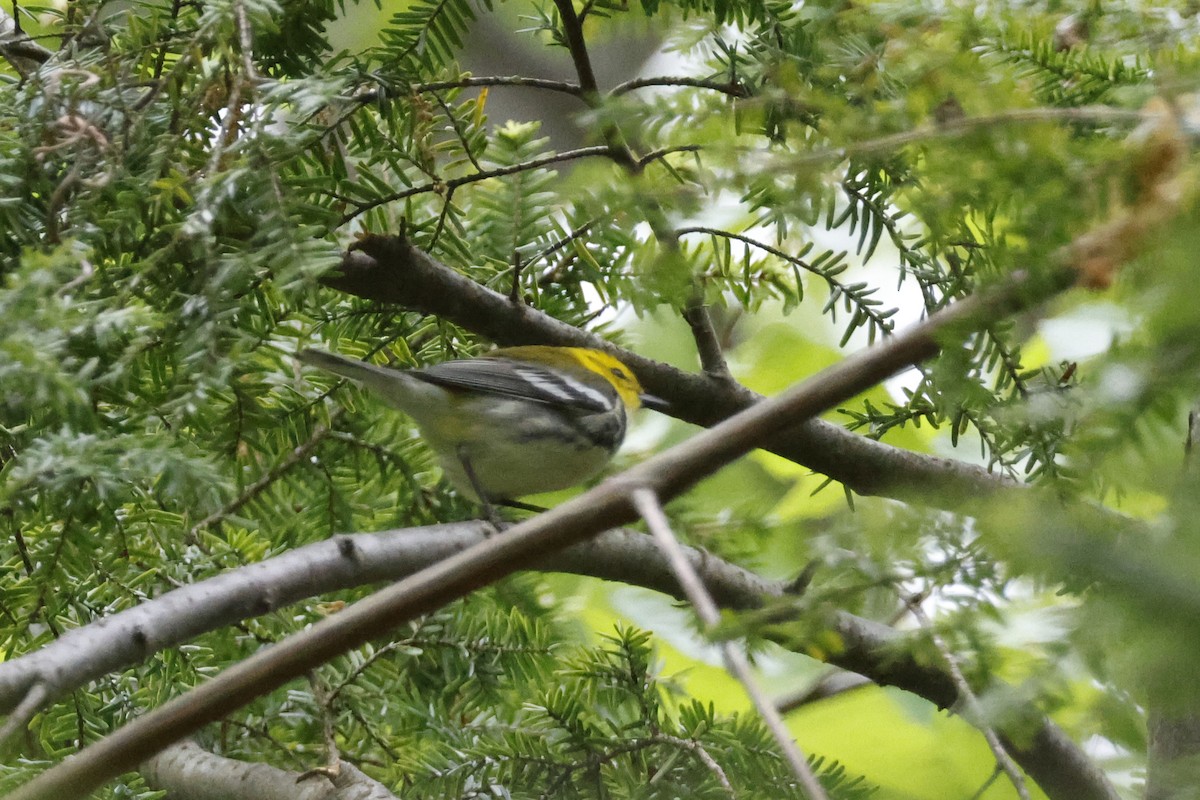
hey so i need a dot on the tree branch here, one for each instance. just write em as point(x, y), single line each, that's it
point(84, 654)
point(737, 663)
point(871, 649)
point(499, 80)
point(731, 88)
point(708, 343)
point(389, 270)
point(188, 772)
point(573, 32)
point(667, 474)
point(970, 703)
point(499, 172)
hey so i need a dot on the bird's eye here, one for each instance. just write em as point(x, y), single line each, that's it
point(620, 373)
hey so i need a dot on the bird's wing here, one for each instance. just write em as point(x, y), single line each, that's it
point(518, 379)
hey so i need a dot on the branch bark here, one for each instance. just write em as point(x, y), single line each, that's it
point(189, 772)
point(871, 649)
point(666, 474)
point(388, 269)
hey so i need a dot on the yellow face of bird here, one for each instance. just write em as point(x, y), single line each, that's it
point(612, 370)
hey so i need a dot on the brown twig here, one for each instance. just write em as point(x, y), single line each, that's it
point(475, 177)
point(264, 481)
point(731, 88)
point(493, 80)
point(708, 344)
point(572, 30)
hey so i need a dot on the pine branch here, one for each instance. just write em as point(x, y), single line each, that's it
point(667, 474)
point(124, 639)
point(732, 88)
point(389, 270)
point(454, 183)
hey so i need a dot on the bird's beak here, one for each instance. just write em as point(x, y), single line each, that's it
point(654, 403)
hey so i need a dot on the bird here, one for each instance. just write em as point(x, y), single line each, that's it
point(514, 421)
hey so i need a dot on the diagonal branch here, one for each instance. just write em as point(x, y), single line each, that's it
point(499, 172)
point(667, 474)
point(871, 649)
point(971, 705)
point(390, 270)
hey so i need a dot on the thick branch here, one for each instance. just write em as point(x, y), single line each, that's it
point(577, 520)
point(114, 643)
point(389, 270)
point(188, 772)
point(870, 649)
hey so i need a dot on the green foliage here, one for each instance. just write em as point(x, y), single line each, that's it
point(599, 726)
point(177, 180)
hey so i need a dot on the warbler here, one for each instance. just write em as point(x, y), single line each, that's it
point(512, 422)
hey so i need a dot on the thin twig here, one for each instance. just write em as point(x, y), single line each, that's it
point(879, 319)
point(462, 138)
point(646, 502)
point(276, 472)
point(332, 767)
point(832, 682)
point(475, 177)
point(731, 88)
point(490, 80)
point(996, 773)
point(970, 702)
point(705, 758)
point(655, 155)
point(552, 273)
